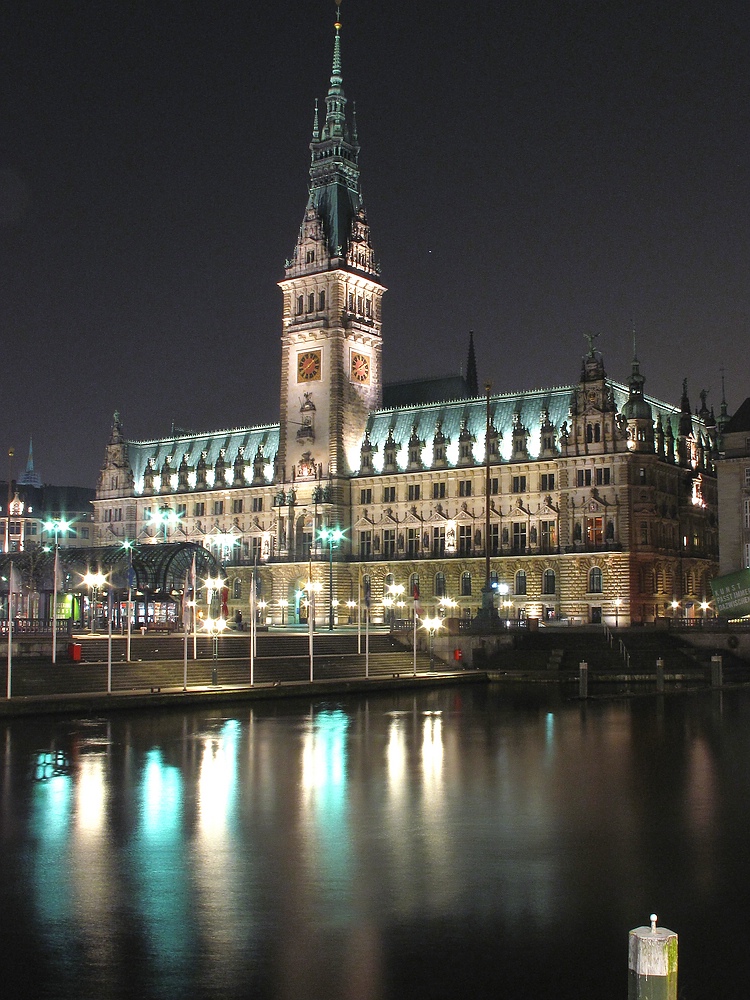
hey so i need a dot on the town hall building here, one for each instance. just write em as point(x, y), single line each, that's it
point(590, 501)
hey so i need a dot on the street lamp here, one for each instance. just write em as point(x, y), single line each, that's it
point(283, 604)
point(333, 536)
point(163, 518)
point(618, 602)
point(432, 625)
point(214, 584)
point(312, 589)
point(351, 605)
point(57, 526)
point(214, 627)
point(93, 581)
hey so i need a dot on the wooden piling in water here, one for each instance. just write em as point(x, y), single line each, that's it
point(652, 963)
point(717, 671)
point(583, 679)
point(660, 675)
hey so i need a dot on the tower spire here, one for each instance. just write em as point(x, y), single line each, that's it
point(334, 231)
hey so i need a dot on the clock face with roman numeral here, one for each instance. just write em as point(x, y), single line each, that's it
point(361, 368)
point(308, 366)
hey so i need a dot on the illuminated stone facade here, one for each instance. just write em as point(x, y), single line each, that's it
point(602, 501)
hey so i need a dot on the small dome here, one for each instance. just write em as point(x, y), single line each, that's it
point(637, 408)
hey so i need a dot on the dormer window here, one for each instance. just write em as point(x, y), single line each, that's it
point(310, 257)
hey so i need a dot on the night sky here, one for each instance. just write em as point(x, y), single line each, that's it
point(532, 171)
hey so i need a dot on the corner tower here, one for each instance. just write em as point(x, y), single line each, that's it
point(331, 342)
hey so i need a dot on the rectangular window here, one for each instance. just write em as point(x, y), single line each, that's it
point(519, 536)
point(255, 547)
point(494, 539)
point(365, 544)
point(547, 482)
point(365, 496)
point(747, 477)
point(389, 541)
point(218, 506)
point(257, 504)
point(747, 555)
point(438, 541)
point(412, 541)
point(389, 494)
point(199, 509)
point(464, 539)
point(747, 513)
point(413, 491)
point(181, 509)
point(595, 531)
point(494, 486)
point(438, 491)
point(583, 477)
point(84, 532)
point(547, 535)
point(236, 506)
point(464, 488)
point(519, 484)
point(603, 476)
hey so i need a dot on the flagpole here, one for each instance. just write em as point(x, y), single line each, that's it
point(359, 614)
point(130, 599)
point(195, 609)
point(252, 627)
point(415, 637)
point(109, 642)
point(185, 625)
point(10, 642)
point(54, 604)
point(367, 640)
point(310, 619)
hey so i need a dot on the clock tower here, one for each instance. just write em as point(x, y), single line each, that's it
point(331, 340)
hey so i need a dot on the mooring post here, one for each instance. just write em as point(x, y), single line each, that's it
point(660, 675)
point(583, 679)
point(652, 963)
point(716, 671)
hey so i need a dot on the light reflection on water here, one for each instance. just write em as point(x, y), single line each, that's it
point(432, 845)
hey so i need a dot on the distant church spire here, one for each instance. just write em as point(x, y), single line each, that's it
point(30, 477)
point(472, 383)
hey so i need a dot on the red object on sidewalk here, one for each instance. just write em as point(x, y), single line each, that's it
point(74, 651)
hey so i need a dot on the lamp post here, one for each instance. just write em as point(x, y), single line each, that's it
point(93, 581)
point(214, 627)
point(618, 602)
point(128, 546)
point(396, 592)
point(432, 625)
point(57, 527)
point(283, 604)
point(351, 605)
point(333, 536)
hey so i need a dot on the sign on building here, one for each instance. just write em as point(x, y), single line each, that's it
point(732, 594)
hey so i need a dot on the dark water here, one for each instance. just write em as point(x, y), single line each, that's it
point(461, 843)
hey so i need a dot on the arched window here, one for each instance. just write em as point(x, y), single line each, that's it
point(548, 582)
point(520, 585)
point(414, 586)
point(466, 585)
point(389, 580)
point(237, 589)
point(311, 302)
point(300, 304)
point(440, 585)
point(595, 580)
point(321, 301)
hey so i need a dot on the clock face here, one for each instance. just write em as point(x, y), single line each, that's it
point(308, 366)
point(361, 368)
